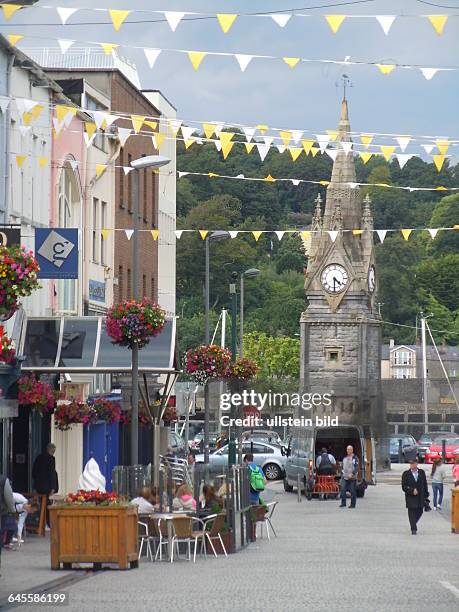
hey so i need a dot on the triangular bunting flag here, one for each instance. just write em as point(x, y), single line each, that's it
point(305, 235)
point(100, 169)
point(366, 140)
point(442, 146)
point(181, 174)
point(332, 153)
point(154, 234)
point(307, 145)
point(256, 234)
point(335, 21)
point(387, 151)
point(123, 135)
point(175, 125)
point(296, 136)
point(286, 137)
point(428, 148)
point(249, 133)
point(402, 158)
point(128, 233)
point(295, 182)
point(90, 128)
point(9, 10)
point(203, 234)
point(105, 233)
point(269, 179)
point(263, 128)
point(127, 169)
point(365, 156)
point(43, 161)
point(280, 19)
point(353, 185)
point(428, 73)
point(137, 122)
point(233, 233)
point(346, 147)
point(263, 150)
point(226, 149)
point(4, 103)
point(381, 234)
point(333, 134)
point(433, 232)
point(173, 18)
point(314, 151)
point(118, 17)
point(196, 58)
point(333, 234)
point(209, 129)
point(65, 113)
point(268, 140)
point(187, 132)
point(226, 137)
point(385, 21)
point(324, 183)
point(178, 234)
point(357, 232)
point(189, 142)
point(24, 128)
point(291, 61)
point(279, 234)
point(323, 140)
point(249, 146)
point(108, 47)
point(20, 159)
point(65, 44)
point(226, 20)
point(13, 39)
point(438, 160)
point(65, 13)
point(385, 68)
point(403, 142)
point(281, 148)
point(152, 55)
point(295, 152)
point(24, 105)
point(438, 22)
point(218, 145)
point(406, 233)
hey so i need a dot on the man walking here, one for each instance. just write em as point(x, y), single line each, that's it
point(349, 477)
point(414, 485)
point(325, 463)
point(44, 475)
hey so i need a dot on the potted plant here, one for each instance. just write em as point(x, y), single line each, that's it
point(242, 369)
point(70, 413)
point(7, 350)
point(36, 394)
point(106, 410)
point(18, 278)
point(134, 323)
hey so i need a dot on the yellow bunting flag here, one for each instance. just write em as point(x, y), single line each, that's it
point(36, 111)
point(249, 146)
point(357, 232)
point(366, 139)
point(226, 20)
point(196, 58)
point(307, 145)
point(108, 47)
point(291, 61)
point(118, 17)
point(333, 134)
point(43, 161)
point(155, 234)
point(324, 183)
point(295, 152)
point(438, 22)
point(438, 160)
point(286, 137)
point(105, 233)
point(209, 129)
point(26, 118)
point(335, 21)
point(440, 188)
point(263, 128)
point(159, 139)
point(152, 124)
point(13, 39)
point(203, 233)
point(9, 10)
point(256, 234)
point(137, 122)
point(189, 142)
point(442, 146)
point(305, 235)
point(212, 175)
point(62, 111)
point(314, 151)
point(90, 128)
point(365, 156)
point(226, 137)
point(406, 233)
point(455, 227)
point(269, 179)
point(226, 149)
point(387, 151)
point(100, 169)
point(20, 159)
point(386, 68)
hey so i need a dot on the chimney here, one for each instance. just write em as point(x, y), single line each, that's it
point(391, 343)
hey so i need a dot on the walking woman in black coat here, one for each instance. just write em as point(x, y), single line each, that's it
point(414, 485)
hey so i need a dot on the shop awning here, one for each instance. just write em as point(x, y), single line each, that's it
point(81, 345)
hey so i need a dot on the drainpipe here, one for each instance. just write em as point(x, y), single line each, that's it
point(7, 143)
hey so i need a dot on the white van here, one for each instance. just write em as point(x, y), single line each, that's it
point(305, 446)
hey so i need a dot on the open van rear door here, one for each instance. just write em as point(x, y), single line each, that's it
point(370, 457)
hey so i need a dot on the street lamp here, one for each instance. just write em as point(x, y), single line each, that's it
point(150, 161)
point(250, 273)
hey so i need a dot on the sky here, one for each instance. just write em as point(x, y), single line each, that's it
point(269, 92)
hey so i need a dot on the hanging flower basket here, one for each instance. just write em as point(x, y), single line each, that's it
point(126, 418)
point(18, 278)
point(106, 410)
point(170, 415)
point(207, 361)
point(242, 369)
point(134, 323)
point(37, 394)
point(75, 412)
point(7, 350)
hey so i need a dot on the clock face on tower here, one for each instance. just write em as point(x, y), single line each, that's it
point(371, 279)
point(334, 278)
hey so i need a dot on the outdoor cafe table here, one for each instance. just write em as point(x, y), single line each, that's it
point(168, 516)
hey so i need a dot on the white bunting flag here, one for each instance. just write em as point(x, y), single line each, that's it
point(346, 146)
point(187, 132)
point(240, 176)
point(249, 133)
point(281, 19)
point(279, 234)
point(218, 128)
point(403, 158)
point(333, 234)
point(353, 185)
point(323, 140)
point(182, 174)
point(127, 169)
point(332, 153)
point(385, 21)
point(65, 13)
point(263, 150)
point(281, 148)
point(243, 60)
point(295, 182)
point(268, 140)
point(381, 234)
point(428, 148)
point(24, 129)
point(428, 73)
point(24, 105)
point(173, 18)
point(152, 55)
point(4, 103)
point(65, 44)
point(433, 232)
point(88, 140)
point(123, 135)
point(233, 234)
point(403, 142)
point(73, 164)
point(98, 116)
point(175, 125)
point(218, 145)
point(58, 126)
point(128, 233)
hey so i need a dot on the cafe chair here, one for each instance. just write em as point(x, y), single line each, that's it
point(160, 536)
point(182, 533)
point(144, 538)
point(214, 530)
point(266, 521)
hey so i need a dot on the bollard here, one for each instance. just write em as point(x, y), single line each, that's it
point(299, 488)
point(443, 449)
point(400, 451)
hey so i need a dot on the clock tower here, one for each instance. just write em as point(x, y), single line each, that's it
point(341, 328)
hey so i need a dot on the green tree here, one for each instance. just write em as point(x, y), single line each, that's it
point(440, 277)
point(278, 358)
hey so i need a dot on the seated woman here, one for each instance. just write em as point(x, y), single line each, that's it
point(212, 502)
point(183, 499)
point(144, 501)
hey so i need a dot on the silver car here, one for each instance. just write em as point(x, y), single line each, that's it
point(268, 456)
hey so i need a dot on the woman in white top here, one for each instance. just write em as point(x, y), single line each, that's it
point(438, 476)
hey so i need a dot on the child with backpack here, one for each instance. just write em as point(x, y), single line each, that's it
point(257, 479)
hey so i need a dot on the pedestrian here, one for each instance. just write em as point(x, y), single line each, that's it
point(414, 485)
point(44, 474)
point(438, 476)
point(325, 463)
point(349, 477)
point(23, 508)
point(456, 472)
point(257, 479)
point(6, 506)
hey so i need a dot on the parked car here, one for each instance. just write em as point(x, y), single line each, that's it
point(197, 443)
point(177, 444)
point(409, 448)
point(267, 456)
point(263, 435)
point(425, 441)
point(436, 448)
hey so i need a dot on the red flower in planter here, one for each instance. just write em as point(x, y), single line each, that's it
point(207, 361)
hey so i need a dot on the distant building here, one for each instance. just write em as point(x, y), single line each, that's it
point(405, 361)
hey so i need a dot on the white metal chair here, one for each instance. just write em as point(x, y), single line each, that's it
point(145, 538)
point(182, 528)
point(267, 520)
point(214, 533)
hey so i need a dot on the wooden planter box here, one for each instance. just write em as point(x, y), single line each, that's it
point(455, 510)
point(94, 534)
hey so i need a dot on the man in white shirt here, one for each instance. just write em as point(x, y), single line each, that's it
point(143, 501)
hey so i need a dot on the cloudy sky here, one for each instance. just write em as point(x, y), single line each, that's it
point(269, 92)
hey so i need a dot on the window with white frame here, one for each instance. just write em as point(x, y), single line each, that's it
point(69, 209)
point(402, 373)
point(403, 357)
point(103, 223)
point(95, 230)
